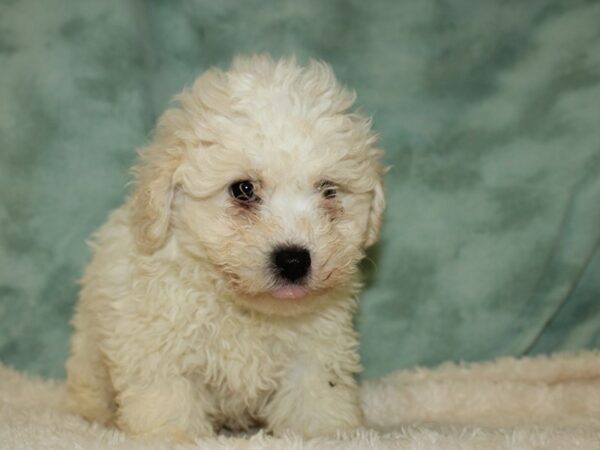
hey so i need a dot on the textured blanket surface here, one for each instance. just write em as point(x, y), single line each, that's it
point(488, 112)
point(529, 404)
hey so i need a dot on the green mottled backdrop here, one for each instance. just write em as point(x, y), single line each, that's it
point(489, 112)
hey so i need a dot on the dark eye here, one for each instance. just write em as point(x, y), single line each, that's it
point(243, 191)
point(328, 189)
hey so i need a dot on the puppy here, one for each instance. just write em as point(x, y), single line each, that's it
point(221, 293)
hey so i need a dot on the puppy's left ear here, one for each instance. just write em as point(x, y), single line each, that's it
point(375, 213)
point(151, 201)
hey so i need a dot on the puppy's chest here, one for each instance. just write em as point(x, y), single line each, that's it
point(239, 358)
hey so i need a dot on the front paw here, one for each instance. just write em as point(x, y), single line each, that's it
point(325, 419)
point(161, 412)
point(172, 434)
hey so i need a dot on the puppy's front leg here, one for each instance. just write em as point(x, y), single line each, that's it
point(312, 401)
point(167, 407)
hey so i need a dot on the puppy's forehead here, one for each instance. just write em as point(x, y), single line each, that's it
point(283, 142)
point(281, 133)
point(291, 153)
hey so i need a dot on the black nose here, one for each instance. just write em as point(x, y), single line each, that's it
point(291, 263)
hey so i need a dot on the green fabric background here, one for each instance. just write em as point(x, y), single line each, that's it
point(489, 113)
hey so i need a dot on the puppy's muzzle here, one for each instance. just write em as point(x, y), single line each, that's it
point(291, 263)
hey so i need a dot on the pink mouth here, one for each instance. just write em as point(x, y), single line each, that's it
point(289, 292)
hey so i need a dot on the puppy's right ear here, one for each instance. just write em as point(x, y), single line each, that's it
point(151, 201)
point(178, 129)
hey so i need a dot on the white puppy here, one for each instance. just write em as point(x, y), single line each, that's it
point(222, 292)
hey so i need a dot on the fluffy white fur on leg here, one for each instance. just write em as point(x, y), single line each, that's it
point(313, 402)
point(168, 407)
point(90, 388)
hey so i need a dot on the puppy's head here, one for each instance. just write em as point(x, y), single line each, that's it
point(264, 173)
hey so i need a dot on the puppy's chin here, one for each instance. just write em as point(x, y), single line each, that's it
point(289, 300)
point(290, 292)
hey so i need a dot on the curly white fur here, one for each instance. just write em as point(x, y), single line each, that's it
point(177, 331)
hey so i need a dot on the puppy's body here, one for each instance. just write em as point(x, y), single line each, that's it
point(183, 324)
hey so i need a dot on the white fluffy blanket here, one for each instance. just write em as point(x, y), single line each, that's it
point(536, 403)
